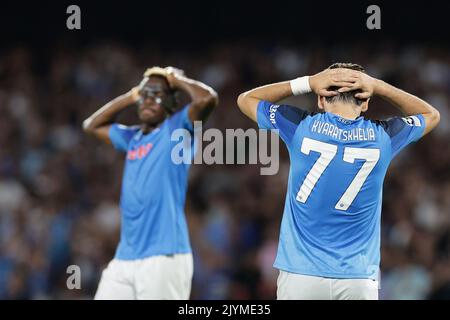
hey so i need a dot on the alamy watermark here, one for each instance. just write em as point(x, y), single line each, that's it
point(73, 22)
point(234, 146)
point(74, 279)
point(374, 20)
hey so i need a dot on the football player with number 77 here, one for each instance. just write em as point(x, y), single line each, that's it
point(329, 246)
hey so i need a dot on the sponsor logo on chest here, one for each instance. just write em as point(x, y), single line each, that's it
point(139, 152)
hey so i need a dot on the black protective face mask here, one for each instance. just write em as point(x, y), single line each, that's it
point(167, 101)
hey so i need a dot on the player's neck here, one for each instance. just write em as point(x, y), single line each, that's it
point(147, 127)
point(345, 110)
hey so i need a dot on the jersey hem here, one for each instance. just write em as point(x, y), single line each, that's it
point(324, 274)
point(153, 254)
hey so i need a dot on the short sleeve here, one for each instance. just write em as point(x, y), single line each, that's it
point(120, 135)
point(181, 119)
point(285, 118)
point(403, 131)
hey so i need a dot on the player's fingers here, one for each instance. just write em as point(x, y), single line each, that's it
point(174, 70)
point(363, 95)
point(346, 78)
point(346, 89)
point(351, 78)
point(142, 83)
point(328, 93)
point(343, 84)
point(344, 72)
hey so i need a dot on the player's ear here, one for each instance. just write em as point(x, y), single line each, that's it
point(365, 106)
point(320, 102)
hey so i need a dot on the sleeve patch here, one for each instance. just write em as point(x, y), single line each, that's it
point(412, 121)
point(272, 110)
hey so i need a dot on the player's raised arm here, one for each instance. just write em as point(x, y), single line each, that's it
point(248, 101)
point(203, 98)
point(99, 123)
point(319, 83)
point(407, 103)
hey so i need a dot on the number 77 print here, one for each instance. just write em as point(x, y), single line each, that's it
point(327, 153)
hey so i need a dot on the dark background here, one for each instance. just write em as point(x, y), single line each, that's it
point(195, 23)
point(59, 189)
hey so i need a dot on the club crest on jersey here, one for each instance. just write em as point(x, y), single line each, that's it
point(140, 152)
point(412, 121)
point(272, 109)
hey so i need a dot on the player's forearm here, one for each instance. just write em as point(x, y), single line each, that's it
point(405, 102)
point(408, 104)
point(195, 89)
point(272, 92)
point(248, 101)
point(203, 97)
point(106, 114)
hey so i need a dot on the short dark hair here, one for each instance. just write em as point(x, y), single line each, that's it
point(348, 97)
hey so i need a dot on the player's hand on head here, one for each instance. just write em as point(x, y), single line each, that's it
point(365, 83)
point(174, 71)
point(135, 93)
point(173, 75)
point(136, 90)
point(339, 77)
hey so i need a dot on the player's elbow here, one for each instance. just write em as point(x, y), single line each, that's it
point(245, 102)
point(432, 119)
point(436, 117)
point(212, 100)
point(209, 101)
point(241, 100)
point(87, 126)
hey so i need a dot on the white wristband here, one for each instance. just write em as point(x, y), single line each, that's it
point(300, 86)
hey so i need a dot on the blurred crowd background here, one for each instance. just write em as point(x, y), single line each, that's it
point(59, 189)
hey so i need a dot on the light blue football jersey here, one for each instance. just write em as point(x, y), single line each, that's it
point(331, 220)
point(153, 190)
